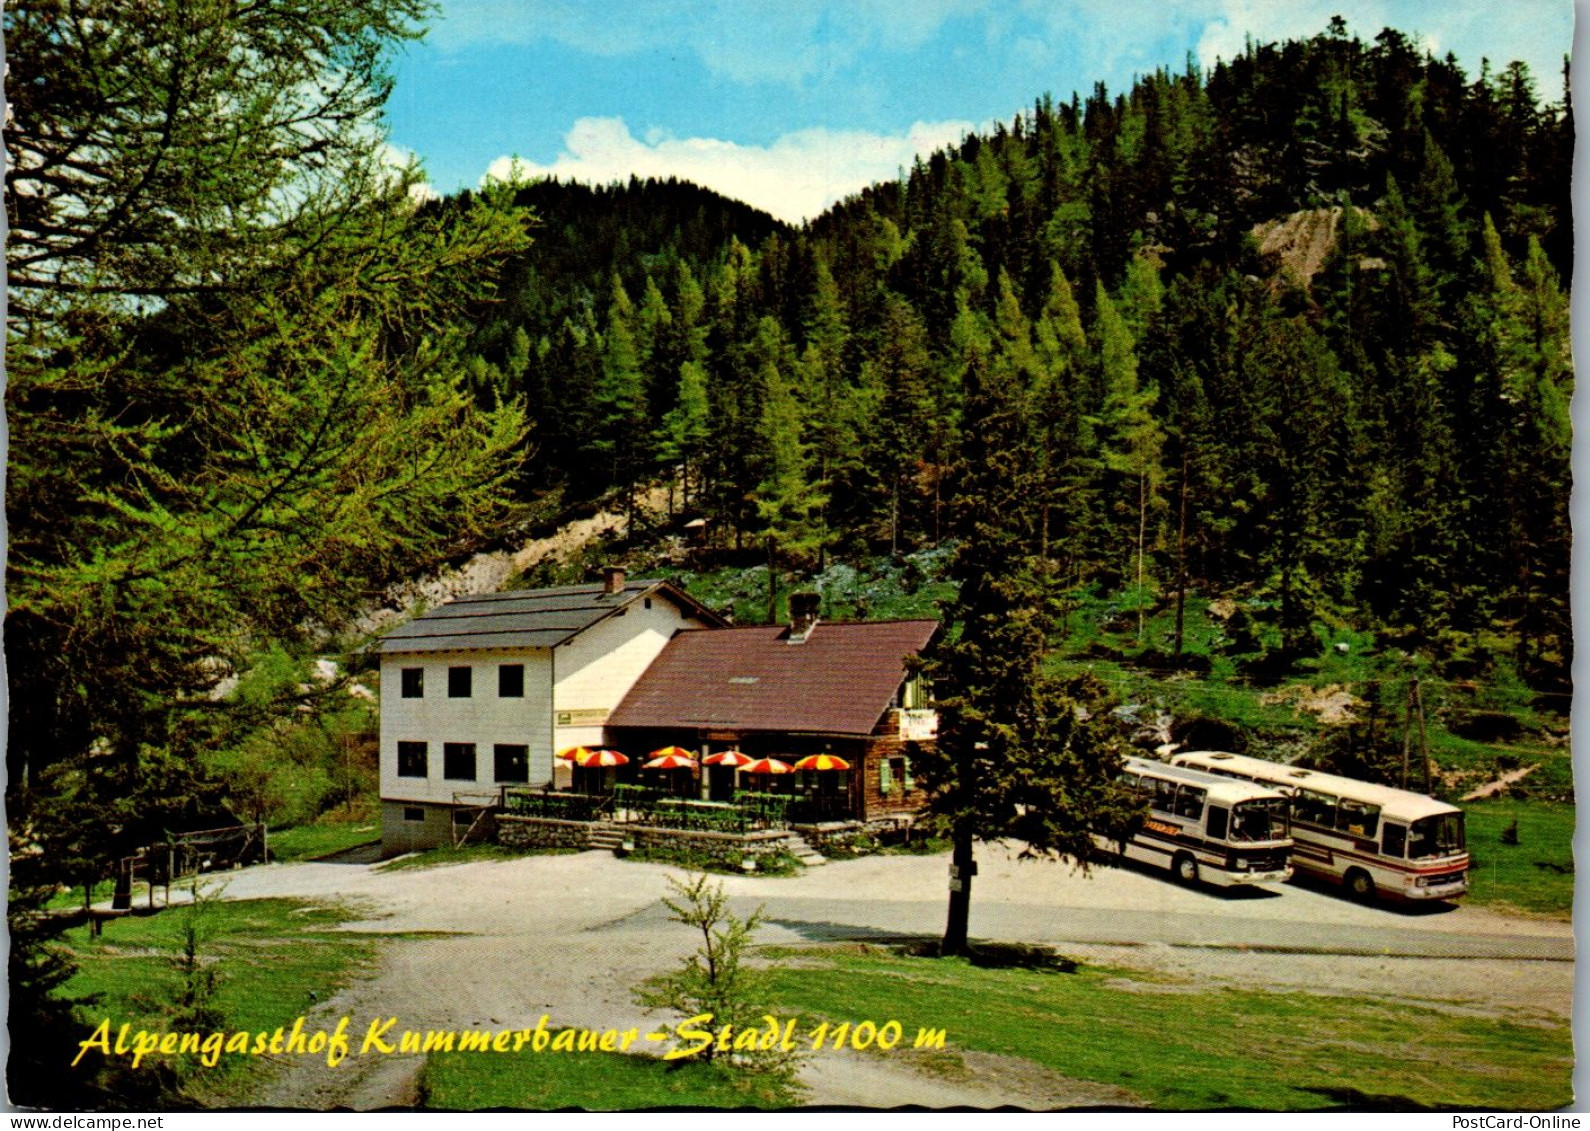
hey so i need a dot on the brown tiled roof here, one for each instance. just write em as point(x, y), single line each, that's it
point(838, 681)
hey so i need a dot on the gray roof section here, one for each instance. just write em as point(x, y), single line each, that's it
point(529, 618)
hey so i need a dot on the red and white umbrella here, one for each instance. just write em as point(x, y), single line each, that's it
point(596, 759)
point(767, 766)
point(727, 758)
point(572, 753)
point(671, 762)
point(822, 762)
point(672, 751)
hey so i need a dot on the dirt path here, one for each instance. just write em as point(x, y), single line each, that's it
point(1491, 789)
point(503, 944)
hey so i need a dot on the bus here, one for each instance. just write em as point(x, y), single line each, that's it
point(1374, 839)
point(1206, 827)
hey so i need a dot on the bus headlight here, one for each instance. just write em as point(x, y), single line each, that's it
point(1242, 864)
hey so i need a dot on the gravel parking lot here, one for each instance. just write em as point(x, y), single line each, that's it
point(505, 942)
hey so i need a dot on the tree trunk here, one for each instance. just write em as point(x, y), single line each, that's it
point(894, 521)
point(960, 913)
point(1142, 532)
point(772, 585)
point(1181, 559)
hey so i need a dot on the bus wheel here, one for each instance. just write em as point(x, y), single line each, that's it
point(1359, 883)
point(1186, 869)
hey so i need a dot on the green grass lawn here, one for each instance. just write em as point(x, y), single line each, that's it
point(310, 842)
point(1177, 1046)
point(594, 1081)
point(1536, 874)
point(274, 958)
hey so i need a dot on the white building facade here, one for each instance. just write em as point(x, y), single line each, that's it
point(481, 693)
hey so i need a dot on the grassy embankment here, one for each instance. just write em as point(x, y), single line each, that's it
point(1170, 1043)
point(325, 837)
point(274, 958)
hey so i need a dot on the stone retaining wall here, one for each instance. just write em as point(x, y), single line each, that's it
point(543, 832)
point(728, 850)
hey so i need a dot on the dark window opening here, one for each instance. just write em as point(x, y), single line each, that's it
point(512, 763)
point(510, 681)
point(411, 760)
point(413, 683)
point(414, 814)
point(1394, 840)
point(458, 760)
point(458, 683)
point(1217, 822)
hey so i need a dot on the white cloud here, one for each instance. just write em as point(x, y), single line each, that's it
point(795, 178)
point(405, 164)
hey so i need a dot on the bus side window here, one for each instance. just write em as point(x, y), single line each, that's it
point(1358, 819)
point(1395, 840)
point(1190, 802)
point(1217, 822)
point(1314, 808)
point(1164, 796)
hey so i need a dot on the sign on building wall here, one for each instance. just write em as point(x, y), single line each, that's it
point(918, 724)
point(590, 717)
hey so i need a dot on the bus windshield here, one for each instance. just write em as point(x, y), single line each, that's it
point(1259, 820)
point(1436, 836)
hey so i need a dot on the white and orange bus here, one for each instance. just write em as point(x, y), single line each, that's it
point(1205, 827)
point(1375, 839)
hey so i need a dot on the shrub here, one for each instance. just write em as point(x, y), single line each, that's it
point(714, 986)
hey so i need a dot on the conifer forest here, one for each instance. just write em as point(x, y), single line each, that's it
point(1290, 332)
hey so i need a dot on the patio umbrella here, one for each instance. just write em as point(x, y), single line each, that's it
point(822, 762)
point(671, 762)
point(727, 758)
point(571, 753)
point(596, 759)
point(767, 766)
point(672, 752)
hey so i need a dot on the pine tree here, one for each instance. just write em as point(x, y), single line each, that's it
point(1018, 755)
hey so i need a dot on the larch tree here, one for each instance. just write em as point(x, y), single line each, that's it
point(235, 367)
point(1131, 438)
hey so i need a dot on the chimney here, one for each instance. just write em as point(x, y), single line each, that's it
point(803, 608)
point(612, 580)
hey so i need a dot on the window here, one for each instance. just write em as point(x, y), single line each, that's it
point(413, 683)
point(1355, 818)
point(510, 681)
point(885, 776)
point(458, 680)
point(1314, 808)
point(458, 760)
point(1190, 802)
point(411, 760)
point(512, 763)
point(1217, 822)
point(413, 813)
point(1164, 798)
point(1394, 840)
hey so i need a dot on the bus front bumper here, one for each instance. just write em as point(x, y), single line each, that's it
point(1234, 879)
point(1437, 887)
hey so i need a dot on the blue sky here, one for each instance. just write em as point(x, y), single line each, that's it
point(794, 104)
